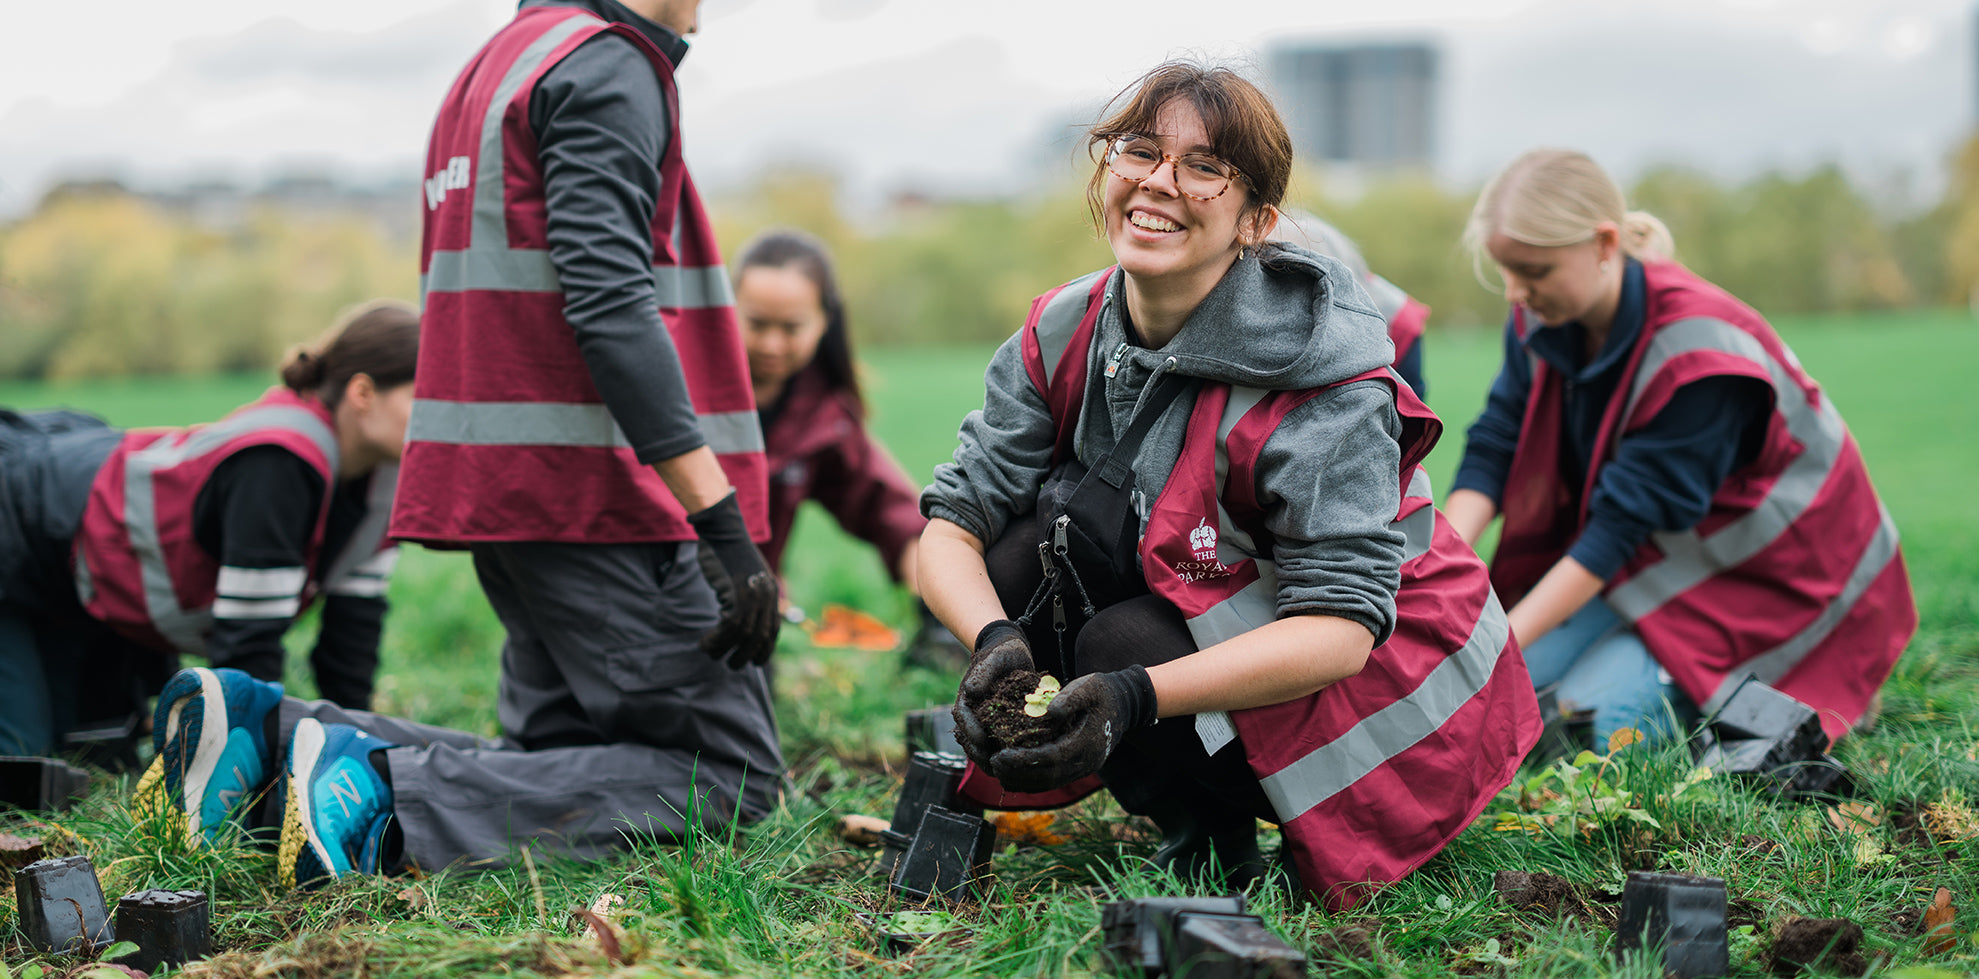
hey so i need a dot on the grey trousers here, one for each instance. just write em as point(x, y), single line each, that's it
point(615, 725)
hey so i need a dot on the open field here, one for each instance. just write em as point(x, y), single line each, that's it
point(781, 898)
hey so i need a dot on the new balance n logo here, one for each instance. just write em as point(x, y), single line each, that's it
point(344, 790)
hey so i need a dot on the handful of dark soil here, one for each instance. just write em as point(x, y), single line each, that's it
point(1003, 714)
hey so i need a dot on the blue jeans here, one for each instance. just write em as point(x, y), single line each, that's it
point(27, 708)
point(1600, 663)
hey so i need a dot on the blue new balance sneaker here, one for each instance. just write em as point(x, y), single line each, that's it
point(338, 807)
point(213, 751)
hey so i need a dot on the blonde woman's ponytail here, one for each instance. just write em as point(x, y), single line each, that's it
point(1645, 237)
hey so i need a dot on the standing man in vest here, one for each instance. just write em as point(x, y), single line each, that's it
point(587, 431)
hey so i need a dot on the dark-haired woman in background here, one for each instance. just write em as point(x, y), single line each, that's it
point(814, 419)
point(121, 550)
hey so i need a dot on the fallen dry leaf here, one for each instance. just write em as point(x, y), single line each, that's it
point(862, 830)
point(603, 933)
point(413, 896)
point(844, 627)
point(1939, 937)
point(1027, 827)
point(1855, 818)
point(1622, 738)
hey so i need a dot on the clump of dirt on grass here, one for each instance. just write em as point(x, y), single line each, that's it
point(1545, 893)
point(1358, 940)
point(1003, 714)
point(1827, 944)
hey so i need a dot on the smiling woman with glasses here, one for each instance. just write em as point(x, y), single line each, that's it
point(1192, 494)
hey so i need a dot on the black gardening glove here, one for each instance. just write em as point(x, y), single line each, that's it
point(1090, 716)
point(1001, 650)
point(742, 581)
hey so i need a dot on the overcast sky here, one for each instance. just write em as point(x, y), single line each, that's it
point(882, 90)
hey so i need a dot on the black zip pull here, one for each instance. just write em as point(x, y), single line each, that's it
point(1059, 541)
point(1044, 558)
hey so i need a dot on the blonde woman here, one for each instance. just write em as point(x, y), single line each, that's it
point(1683, 506)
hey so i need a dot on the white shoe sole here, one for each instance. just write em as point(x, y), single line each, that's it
point(304, 750)
point(206, 755)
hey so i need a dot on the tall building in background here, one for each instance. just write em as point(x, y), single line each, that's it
point(1371, 105)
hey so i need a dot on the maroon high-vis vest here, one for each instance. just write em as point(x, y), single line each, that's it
point(137, 565)
point(1373, 775)
point(509, 438)
point(1793, 575)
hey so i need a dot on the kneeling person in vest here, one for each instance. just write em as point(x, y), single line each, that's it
point(1256, 610)
point(209, 541)
point(583, 425)
point(1683, 505)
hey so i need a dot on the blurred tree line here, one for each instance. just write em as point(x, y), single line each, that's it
point(105, 284)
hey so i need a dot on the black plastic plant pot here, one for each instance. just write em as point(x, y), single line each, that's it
point(949, 851)
point(43, 784)
point(1767, 736)
point(933, 779)
point(1755, 710)
point(169, 927)
point(894, 938)
point(932, 729)
point(1230, 946)
point(60, 904)
point(1139, 933)
point(1682, 915)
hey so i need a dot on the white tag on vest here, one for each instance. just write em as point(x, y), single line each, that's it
point(1215, 730)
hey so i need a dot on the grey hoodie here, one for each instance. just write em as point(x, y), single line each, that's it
point(1286, 319)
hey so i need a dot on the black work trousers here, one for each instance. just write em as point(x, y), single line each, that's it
point(615, 725)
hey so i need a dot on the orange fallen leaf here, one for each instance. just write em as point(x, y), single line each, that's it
point(413, 896)
point(841, 627)
point(1855, 818)
point(1939, 937)
point(1622, 738)
point(1027, 827)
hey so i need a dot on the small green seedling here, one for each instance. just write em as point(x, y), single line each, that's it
point(1036, 701)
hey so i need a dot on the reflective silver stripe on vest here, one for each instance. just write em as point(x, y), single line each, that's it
point(488, 264)
point(530, 270)
point(356, 557)
point(1332, 767)
point(588, 425)
point(186, 629)
point(1059, 319)
point(1774, 664)
point(1418, 528)
point(1688, 559)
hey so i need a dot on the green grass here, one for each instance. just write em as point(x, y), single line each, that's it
point(781, 898)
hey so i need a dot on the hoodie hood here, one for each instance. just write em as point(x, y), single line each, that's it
point(1282, 318)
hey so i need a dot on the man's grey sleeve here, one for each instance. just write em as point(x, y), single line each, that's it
point(1004, 454)
point(1328, 480)
point(601, 124)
